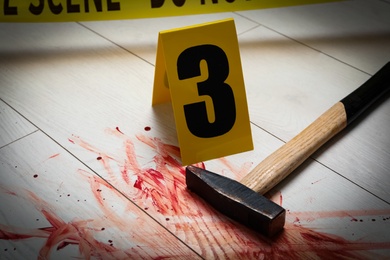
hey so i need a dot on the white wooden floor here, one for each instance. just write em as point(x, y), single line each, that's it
point(89, 169)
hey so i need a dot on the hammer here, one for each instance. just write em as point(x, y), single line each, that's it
point(243, 202)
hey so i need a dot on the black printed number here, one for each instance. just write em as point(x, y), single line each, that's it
point(188, 66)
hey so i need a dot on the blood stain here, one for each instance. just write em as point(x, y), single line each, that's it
point(147, 128)
point(162, 190)
point(353, 219)
point(117, 129)
point(54, 155)
point(35, 176)
point(280, 199)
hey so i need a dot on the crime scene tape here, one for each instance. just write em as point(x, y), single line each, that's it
point(97, 10)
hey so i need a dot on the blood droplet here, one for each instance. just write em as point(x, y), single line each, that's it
point(117, 129)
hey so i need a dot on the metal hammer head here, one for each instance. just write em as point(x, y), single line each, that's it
point(236, 201)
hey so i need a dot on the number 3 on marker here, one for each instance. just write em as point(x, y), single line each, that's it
point(188, 66)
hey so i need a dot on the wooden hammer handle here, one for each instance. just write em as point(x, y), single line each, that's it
point(287, 158)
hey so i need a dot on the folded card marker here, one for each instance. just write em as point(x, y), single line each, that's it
point(198, 69)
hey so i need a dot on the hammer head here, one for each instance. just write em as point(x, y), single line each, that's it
point(236, 201)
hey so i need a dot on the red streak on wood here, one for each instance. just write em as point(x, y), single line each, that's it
point(61, 234)
point(162, 191)
point(299, 242)
point(117, 129)
point(66, 243)
point(54, 155)
point(280, 199)
point(314, 182)
point(16, 233)
point(309, 216)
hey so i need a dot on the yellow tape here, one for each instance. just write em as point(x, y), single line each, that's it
point(94, 10)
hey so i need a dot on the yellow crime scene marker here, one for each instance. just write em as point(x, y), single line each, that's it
point(198, 69)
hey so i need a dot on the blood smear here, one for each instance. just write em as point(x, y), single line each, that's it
point(161, 190)
point(117, 129)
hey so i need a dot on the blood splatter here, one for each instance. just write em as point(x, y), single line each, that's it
point(117, 129)
point(54, 155)
point(312, 215)
point(161, 190)
point(314, 182)
point(59, 235)
point(281, 199)
point(147, 128)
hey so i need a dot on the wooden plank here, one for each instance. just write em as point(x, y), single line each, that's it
point(354, 32)
point(12, 125)
point(139, 36)
point(52, 206)
point(96, 105)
